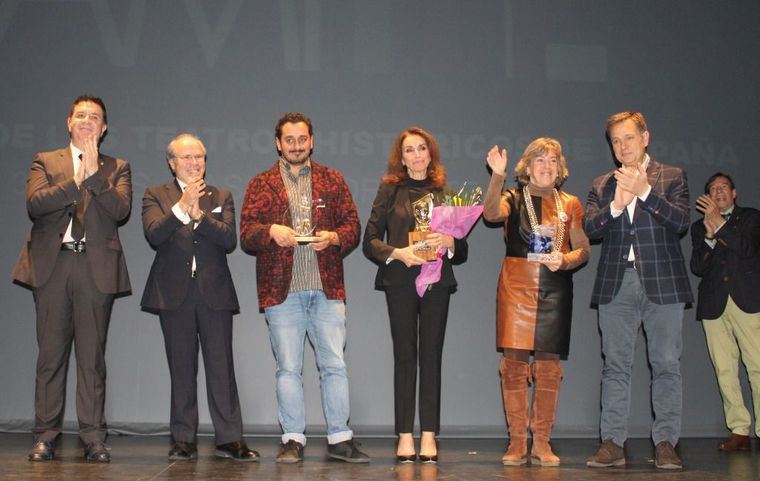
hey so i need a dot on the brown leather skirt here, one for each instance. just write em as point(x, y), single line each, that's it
point(533, 307)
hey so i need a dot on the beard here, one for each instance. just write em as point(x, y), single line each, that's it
point(294, 157)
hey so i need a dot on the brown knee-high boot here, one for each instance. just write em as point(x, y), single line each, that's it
point(547, 375)
point(514, 385)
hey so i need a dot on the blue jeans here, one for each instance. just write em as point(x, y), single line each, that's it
point(619, 322)
point(324, 321)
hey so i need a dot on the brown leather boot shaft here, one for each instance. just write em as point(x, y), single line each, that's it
point(515, 376)
point(547, 376)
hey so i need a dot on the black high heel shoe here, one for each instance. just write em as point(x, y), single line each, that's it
point(430, 459)
point(406, 459)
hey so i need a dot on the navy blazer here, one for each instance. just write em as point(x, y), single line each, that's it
point(655, 232)
point(731, 267)
point(176, 244)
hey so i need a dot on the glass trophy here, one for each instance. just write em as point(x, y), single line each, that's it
point(542, 242)
point(303, 219)
point(422, 210)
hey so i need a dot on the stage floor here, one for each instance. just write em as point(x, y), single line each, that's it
point(144, 458)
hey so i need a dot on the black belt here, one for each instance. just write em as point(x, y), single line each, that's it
point(630, 265)
point(76, 246)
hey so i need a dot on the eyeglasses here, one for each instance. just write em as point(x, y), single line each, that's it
point(189, 157)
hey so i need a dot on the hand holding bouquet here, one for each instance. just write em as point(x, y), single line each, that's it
point(455, 218)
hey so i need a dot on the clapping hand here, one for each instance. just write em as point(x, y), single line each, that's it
point(89, 159)
point(190, 200)
point(631, 182)
point(713, 219)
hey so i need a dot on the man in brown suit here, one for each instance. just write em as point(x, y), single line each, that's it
point(72, 260)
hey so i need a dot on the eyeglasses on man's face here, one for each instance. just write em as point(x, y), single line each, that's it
point(189, 157)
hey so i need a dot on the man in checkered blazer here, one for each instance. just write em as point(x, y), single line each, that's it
point(639, 212)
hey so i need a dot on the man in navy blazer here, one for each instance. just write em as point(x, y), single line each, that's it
point(73, 261)
point(639, 212)
point(726, 255)
point(191, 226)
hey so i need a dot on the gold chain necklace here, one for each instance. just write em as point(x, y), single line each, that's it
point(561, 217)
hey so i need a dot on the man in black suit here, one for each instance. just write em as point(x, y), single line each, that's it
point(191, 226)
point(72, 260)
point(726, 255)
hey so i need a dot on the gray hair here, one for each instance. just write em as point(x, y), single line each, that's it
point(182, 136)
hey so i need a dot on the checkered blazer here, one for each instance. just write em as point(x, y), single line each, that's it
point(655, 232)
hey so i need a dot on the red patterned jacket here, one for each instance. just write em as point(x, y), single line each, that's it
point(265, 203)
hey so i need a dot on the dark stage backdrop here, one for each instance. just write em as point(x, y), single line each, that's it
point(475, 73)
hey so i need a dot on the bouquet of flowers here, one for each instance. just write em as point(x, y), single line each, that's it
point(455, 217)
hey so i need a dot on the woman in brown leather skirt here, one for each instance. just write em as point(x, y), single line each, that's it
point(543, 228)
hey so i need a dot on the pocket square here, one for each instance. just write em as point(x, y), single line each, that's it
point(217, 210)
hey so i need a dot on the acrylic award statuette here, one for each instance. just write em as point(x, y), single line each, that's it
point(422, 210)
point(541, 243)
point(545, 239)
point(302, 216)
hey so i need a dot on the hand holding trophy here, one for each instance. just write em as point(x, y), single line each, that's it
point(545, 239)
point(303, 219)
point(541, 242)
point(422, 210)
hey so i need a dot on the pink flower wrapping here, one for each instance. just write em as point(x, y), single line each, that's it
point(451, 220)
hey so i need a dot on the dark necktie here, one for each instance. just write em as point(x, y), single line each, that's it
point(77, 223)
point(726, 215)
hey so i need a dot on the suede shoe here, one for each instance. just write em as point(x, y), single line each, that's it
point(736, 442)
point(665, 457)
point(347, 451)
point(608, 455)
point(97, 452)
point(42, 451)
point(182, 451)
point(290, 452)
point(236, 450)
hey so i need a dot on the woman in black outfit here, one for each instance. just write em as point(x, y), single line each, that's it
point(417, 324)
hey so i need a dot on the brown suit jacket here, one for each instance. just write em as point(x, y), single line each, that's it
point(176, 244)
point(51, 200)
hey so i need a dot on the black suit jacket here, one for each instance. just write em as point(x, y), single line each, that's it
point(176, 244)
point(388, 228)
point(51, 200)
point(732, 267)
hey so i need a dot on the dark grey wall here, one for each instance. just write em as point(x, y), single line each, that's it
point(475, 73)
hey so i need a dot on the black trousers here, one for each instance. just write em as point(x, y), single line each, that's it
point(70, 308)
point(194, 323)
point(418, 326)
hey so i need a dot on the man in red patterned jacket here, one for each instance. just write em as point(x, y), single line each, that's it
point(299, 220)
